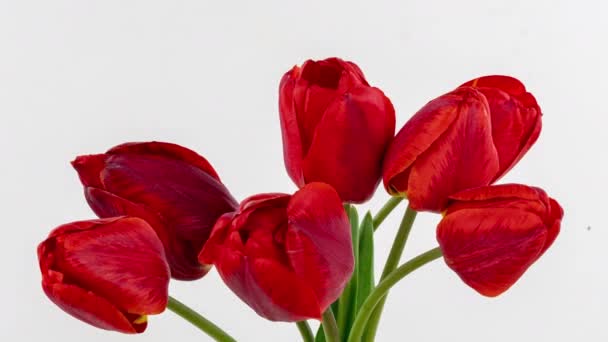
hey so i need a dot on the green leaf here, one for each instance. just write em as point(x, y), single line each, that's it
point(365, 273)
point(348, 299)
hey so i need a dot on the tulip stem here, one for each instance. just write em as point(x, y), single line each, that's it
point(330, 327)
point(386, 210)
point(199, 321)
point(379, 293)
point(305, 331)
point(392, 261)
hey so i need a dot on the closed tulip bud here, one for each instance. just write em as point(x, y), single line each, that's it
point(466, 138)
point(490, 235)
point(335, 127)
point(288, 257)
point(110, 273)
point(174, 189)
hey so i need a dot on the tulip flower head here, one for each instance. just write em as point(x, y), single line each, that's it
point(174, 189)
point(335, 127)
point(464, 139)
point(287, 256)
point(110, 273)
point(491, 235)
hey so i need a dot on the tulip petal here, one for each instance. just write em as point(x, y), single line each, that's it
point(490, 250)
point(417, 136)
point(318, 242)
point(90, 308)
point(285, 290)
point(553, 224)
point(348, 145)
point(516, 117)
point(269, 288)
point(464, 157)
point(290, 131)
point(103, 258)
point(167, 150)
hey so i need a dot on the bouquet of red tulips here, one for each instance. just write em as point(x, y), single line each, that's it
point(164, 212)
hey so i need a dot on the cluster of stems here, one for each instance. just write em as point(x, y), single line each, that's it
point(364, 324)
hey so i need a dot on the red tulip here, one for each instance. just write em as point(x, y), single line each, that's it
point(174, 189)
point(335, 127)
point(110, 273)
point(467, 138)
point(491, 235)
point(287, 257)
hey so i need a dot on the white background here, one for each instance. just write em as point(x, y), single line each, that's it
point(78, 77)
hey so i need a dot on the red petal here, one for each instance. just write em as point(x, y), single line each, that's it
point(514, 196)
point(288, 297)
point(122, 261)
point(89, 169)
point(167, 150)
point(491, 249)
point(349, 143)
point(183, 264)
point(90, 308)
point(553, 223)
point(417, 136)
point(463, 157)
point(292, 142)
point(318, 242)
point(269, 288)
point(516, 117)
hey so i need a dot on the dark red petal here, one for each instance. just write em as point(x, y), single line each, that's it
point(491, 249)
point(166, 150)
point(90, 308)
point(89, 169)
point(292, 142)
point(417, 136)
point(463, 157)
point(318, 241)
point(122, 261)
point(187, 201)
point(349, 143)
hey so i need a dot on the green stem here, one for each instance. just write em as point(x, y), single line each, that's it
point(379, 293)
point(332, 334)
point(305, 331)
point(199, 321)
point(391, 263)
point(385, 210)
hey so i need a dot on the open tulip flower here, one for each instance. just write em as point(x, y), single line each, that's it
point(164, 213)
point(85, 264)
